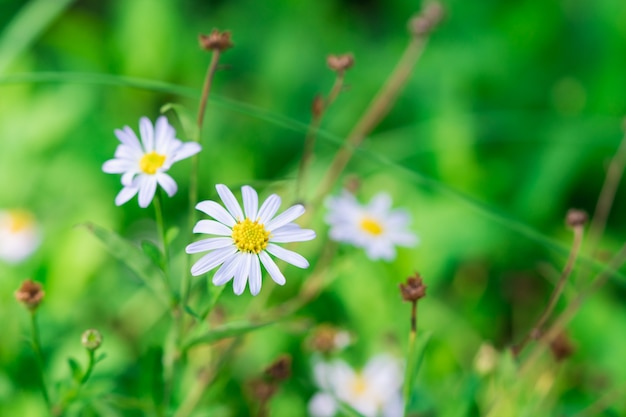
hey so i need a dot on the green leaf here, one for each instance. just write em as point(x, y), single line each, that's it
point(75, 369)
point(100, 357)
point(131, 256)
point(171, 234)
point(348, 411)
point(153, 252)
point(186, 119)
point(415, 356)
point(192, 313)
point(228, 330)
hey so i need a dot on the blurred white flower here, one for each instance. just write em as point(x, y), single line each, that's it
point(144, 164)
point(373, 392)
point(375, 227)
point(19, 235)
point(246, 239)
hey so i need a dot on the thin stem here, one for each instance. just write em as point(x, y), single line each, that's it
point(535, 332)
point(193, 179)
point(158, 216)
point(414, 318)
point(378, 108)
point(607, 195)
point(309, 142)
point(568, 314)
point(36, 343)
point(604, 402)
point(90, 366)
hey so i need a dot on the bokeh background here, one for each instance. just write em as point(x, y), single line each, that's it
point(510, 118)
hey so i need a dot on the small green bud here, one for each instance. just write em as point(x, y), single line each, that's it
point(91, 339)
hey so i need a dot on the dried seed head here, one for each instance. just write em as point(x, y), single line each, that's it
point(326, 339)
point(414, 289)
point(576, 218)
point(91, 339)
point(215, 41)
point(562, 347)
point(30, 294)
point(340, 63)
point(427, 20)
point(280, 369)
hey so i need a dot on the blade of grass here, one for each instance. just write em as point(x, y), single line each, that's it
point(227, 330)
point(26, 26)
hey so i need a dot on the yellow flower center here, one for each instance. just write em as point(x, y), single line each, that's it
point(19, 221)
point(359, 385)
point(371, 226)
point(250, 236)
point(151, 162)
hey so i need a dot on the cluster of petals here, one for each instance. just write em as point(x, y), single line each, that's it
point(144, 161)
point(375, 391)
point(375, 227)
point(246, 238)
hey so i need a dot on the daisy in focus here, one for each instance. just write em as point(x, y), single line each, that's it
point(375, 227)
point(144, 162)
point(374, 392)
point(19, 235)
point(246, 239)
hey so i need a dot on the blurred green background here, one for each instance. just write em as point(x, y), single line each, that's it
point(509, 119)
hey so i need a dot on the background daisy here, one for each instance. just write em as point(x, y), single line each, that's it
point(375, 227)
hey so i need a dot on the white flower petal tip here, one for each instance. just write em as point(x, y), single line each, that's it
point(19, 235)
point(144, 161)
point(374, 227)
point(246, 239)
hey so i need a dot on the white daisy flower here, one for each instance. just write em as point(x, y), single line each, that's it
point(19, 235)
point(144, 164)
point(246, 239)
point(375, 227)
point(374, 392)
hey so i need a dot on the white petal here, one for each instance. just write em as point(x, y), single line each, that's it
point(211, 260)
point(211, 227)
point(227, 270)
point(288, 256)
point(186, 150)
point(163, 132)
point(146, 130)
point(250, 202)
point(128, 178)
point(126, 194)
point(285, 217)
point(241, 274)
point(404, 238)
point(381, 250)
point(117, 166)
point(168, 183)
point(269, 208)
point(128, 138)
point(147, 187)
point(284, 235)
point(229, 201)
point(380, 204)
point(216, 211)
point(322, 405)
point(272, 268)
point(208, 244)
point(255, 275)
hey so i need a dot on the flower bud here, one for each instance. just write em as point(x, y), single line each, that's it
point(414, 289)
point(340, 63)
point(215, 41)
point(30, 294)
point(576, 218)
point(91, 339)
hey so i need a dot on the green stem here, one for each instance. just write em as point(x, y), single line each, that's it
point(90, 366)
point(158, 215)
point(39, 356)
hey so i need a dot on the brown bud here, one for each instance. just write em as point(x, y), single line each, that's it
point(352, 184)
point(562, 347)
point(427, 20)
point(261, 389)
point(317, 107)
point(414, 289)
point(326, 338)
point(30, 294)
point(215, 41)
point(280, 369)
point(576, 218)
point(340, 63)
